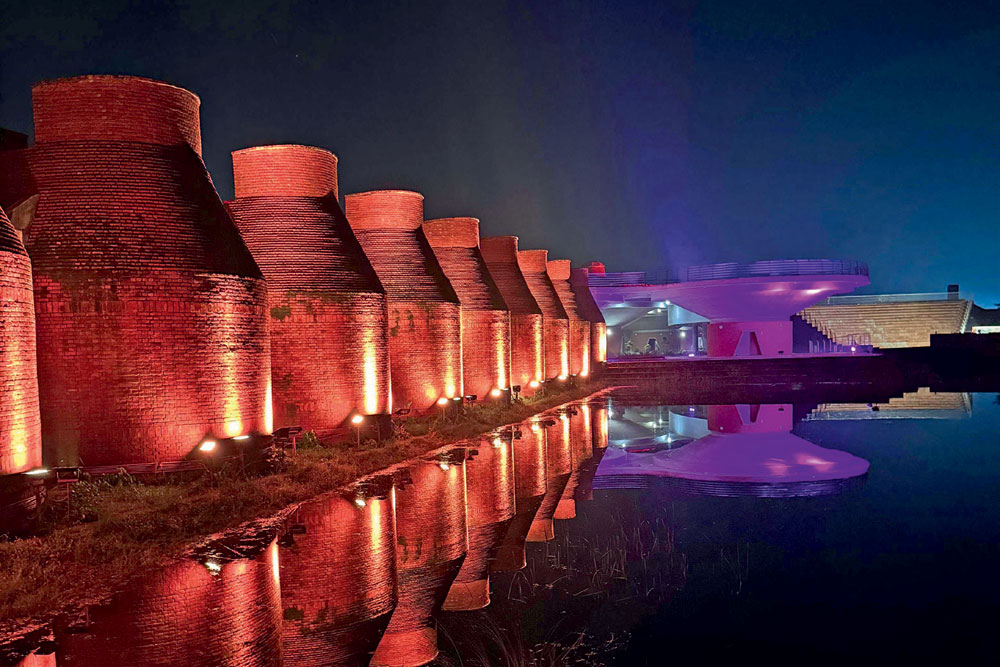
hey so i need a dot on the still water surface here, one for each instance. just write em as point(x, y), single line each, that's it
point(606, 532)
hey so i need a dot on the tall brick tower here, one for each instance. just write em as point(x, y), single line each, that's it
point(589, 310)
point(579, 328)
point(150, 310)
point(485, 318)
point(555, 321)
point(20, 425)
point(329, 336)
point(527, 356)
point(425, 333)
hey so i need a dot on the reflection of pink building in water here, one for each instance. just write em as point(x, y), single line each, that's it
point(338, 579)
point(748, 450)
point(489, 473)
point(190, 613)
point(431, 543)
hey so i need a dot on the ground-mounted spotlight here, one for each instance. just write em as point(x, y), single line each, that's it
point(496, 392)
point(515, 391)
point(208, 446)
point(442, 402)
point(356, 421)
point(471, 398)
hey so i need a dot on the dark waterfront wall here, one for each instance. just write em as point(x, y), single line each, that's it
point(328, 318)
point(579, 328)
point(425, 333)
point(20, 424)
point(527, 346)
point(485, 318)
point(555, 321)
point(150, 310)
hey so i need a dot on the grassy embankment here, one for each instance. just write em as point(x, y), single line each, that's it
point(136, 526)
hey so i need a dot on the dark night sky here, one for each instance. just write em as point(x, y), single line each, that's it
point(640, 134)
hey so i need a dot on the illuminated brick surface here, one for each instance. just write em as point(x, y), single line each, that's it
point(328, 319)
point(20, 424)
point(150, 311)
point(338, 581)
point(485, 318)
point(589, 310)
point(579, 328)
point(555, 321)
point(431, 542)
point(526, 334)
point(425, 338)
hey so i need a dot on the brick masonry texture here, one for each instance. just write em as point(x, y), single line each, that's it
point(485, 318)
point(431, 542)
point(590, 311)
point(555, 321)
point(425, 331)
point(20, 423)
point(150, 311)
point(116, 108)
point(187, 614)
point(328, 317)
point(286, 170)
point(338, 581)
point(526, 333)
point(579, 329)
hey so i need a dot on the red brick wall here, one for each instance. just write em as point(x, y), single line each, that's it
point(116, 108)
point(20, 424)
point(431, 541)
point(187, 614)
point(555, 321)
point(286, 170)
point(425, 331)
point(485, 318)
point(590, 311)
point(489, 472)
point(328, 317)
point(338, 581)
point(527, 337)
point(150, 311)
point(579, 330)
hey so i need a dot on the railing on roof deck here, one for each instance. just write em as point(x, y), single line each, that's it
point(782, 267)
point(866, 299)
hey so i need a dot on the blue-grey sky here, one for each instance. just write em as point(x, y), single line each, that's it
point(639, 134)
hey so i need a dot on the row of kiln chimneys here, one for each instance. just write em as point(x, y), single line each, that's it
point(160, 323)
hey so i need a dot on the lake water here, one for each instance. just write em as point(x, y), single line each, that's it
point(609, 532)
